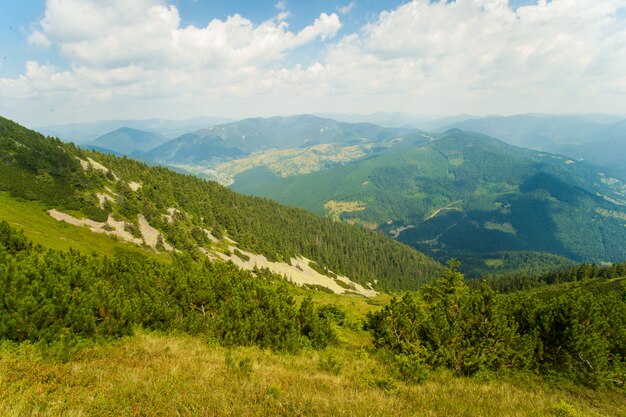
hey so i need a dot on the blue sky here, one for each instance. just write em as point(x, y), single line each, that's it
point(19, 17)
point(82, 60)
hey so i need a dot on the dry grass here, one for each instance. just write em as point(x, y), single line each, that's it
point(157, 375)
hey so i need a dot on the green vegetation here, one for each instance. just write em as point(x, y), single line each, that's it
point(512, 262)
point(466, 195)
point(110, 336)
point(143, 332)
point(583, 273)
point(163, 375)
point(46, 170)
point(578, 335)
point(38, 226)
point(60, 298)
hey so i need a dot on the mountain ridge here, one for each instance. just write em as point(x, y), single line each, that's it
point(247, 136)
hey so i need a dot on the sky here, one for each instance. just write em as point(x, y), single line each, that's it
point(64, 61)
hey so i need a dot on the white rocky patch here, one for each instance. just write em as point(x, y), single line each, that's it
point(103, 198)
point(115, 228)
point(95, 165)
point(83, 164)
point(210, 236)
point(150, 234)
point(395, 233)
point(169, 217)
point(98, 166)
point(299, 272)
point(134, 185)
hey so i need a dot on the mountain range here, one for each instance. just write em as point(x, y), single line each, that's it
point(82, 133)
point(464, 194)
point(599, 139)
point(451, 194)
point(242, 138)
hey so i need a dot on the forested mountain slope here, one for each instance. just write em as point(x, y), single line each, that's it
point(465, 194)
point(167, 211)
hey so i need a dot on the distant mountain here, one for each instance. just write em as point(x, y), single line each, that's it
point(609, 152)
point(398, 119)
point(127, 141)
point(598, 139)
point(464, 195)
point(385, 119)
point(542, 131)
point(86, 132)
point(101, 149)
point(238, 139)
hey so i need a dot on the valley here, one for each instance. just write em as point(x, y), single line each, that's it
point(458, 196)
point(431, 191)
point(295, 208)
point(172, 268)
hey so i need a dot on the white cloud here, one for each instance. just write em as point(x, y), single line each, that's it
point(39, 39)
point(481, 56)
point(347, 8)
point(119, 33)
point(135, 59)
point(281, 5)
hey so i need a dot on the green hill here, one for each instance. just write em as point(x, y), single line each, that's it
point(599, 139)
point(126, 141)
point(160, 210)
point(466, 194)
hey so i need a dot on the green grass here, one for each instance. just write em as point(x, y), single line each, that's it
point(33, 219)
point(164, 375)
point(493, 263)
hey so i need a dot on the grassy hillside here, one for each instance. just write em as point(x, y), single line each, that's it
point(32, 218)
point(163, 375)
point(464, 195)
point(193, 215)
point(92, 335)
